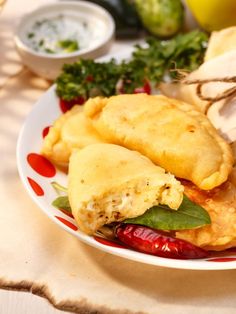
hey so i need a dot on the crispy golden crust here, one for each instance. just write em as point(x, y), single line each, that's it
point(110, 183)
point(221, 206)
point(171, 133)
point(70, 131)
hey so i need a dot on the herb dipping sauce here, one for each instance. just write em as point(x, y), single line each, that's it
point(61, 34)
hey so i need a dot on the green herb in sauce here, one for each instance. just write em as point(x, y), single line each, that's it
point(61, 34)
point(68, 45)
point(30, 35)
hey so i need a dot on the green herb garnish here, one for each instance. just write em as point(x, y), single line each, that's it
point(41, 42)
point(58, 187)
point(48, 50)
point(62, 202)
point(68, 45)
point(152, 63)
point(188, 216)
point(86, 76)
point(184, 52)
point(30, 35)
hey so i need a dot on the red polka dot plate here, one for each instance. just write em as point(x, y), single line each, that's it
point(37, 173)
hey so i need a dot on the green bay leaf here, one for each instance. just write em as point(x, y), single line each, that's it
point(62, 202)
point(188, 216)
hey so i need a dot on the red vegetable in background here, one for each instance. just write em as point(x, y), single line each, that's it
point(146, 88)
point(152, 62)
point(66, 105)
point(158, 243)
point(121, 87)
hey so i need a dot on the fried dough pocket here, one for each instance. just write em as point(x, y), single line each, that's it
point(173, 134)
point(221, 206)
point(108, 183)
point(70, 131)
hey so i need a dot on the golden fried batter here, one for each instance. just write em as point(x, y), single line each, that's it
point(70, 131)
point(173, 134)
point(109, 183)
point(221, 206)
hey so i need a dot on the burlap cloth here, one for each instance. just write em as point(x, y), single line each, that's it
point(39, 257)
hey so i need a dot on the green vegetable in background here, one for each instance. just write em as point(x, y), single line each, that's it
point(162, 18)
point(58, 187)
point(188, 216)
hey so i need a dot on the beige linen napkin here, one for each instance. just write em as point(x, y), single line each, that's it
point(39, 257)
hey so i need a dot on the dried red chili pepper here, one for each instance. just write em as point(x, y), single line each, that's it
point(155, 242)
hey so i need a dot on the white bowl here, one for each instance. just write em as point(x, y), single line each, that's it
point(49, 65)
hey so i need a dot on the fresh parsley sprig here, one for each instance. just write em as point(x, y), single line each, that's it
point(152, 62)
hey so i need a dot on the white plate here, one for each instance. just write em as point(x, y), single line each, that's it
point(44, 112)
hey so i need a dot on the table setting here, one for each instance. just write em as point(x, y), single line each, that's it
point(52, 259)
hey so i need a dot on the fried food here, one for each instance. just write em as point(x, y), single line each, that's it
point(173, 134)
point(233, 146)
point(110, 183)
point(70, 131)
point(221, 206)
